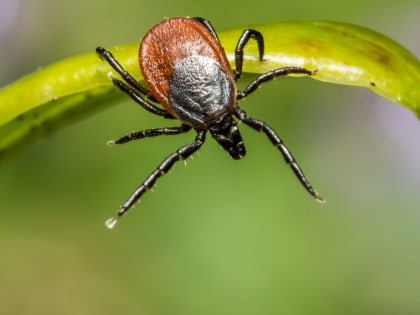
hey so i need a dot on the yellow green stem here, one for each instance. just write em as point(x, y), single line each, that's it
point(68, 90)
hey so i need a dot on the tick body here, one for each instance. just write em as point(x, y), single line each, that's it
point(187, 72)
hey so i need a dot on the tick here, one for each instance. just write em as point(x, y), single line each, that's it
point(187, 72)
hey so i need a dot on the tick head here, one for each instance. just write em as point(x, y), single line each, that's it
point(227, 134)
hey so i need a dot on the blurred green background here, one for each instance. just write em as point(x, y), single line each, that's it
point(219, 236)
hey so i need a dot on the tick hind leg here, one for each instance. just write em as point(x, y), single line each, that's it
point(278, 142)
point(207, 24)
point(127, 77)
point(181, 154)
point(239, 50)
point(239, 58)
point(130, 85)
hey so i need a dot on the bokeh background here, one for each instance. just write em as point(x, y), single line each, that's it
point(219, 236)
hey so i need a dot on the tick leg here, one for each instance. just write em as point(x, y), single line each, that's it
point(271, 75)
point(131, 81)
point(137, 97)
point(278, 142)
point(181, 154)
point(150, 133)
point(207, 24)
point(130, 85)
point(239, 50)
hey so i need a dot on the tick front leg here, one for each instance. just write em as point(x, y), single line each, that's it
point(278, 142)
point(181, 154)
point(150, 133)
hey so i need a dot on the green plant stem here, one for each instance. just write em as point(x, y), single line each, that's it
point(73, 88)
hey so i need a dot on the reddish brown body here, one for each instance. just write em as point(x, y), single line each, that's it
point(168, 43)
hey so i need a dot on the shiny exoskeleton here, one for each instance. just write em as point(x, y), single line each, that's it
point(187, 72)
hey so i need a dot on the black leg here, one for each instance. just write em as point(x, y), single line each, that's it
point(271, 75)
point(239, 50)
point(128, 78)
point(181, 154)
point(150, 133)
point(276, 140)
point(207, 24)
point(134, 89)
point(140, 100)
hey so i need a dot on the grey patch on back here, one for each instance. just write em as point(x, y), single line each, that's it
point(200, 92)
